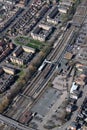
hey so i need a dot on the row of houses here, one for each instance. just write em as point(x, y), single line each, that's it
point(54, 16)
point(21, 55)
point(5, 49)
point(7, 77)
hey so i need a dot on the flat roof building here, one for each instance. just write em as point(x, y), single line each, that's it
point(66, 2)
point(54, 16)
point(63, 9)
point(68, 55)
point(41, 32)
point(22, 55)
point(74, 87)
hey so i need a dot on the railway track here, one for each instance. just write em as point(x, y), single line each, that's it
point(40, 82)
point(62, 43)
point(37, 84)
point(32, 88)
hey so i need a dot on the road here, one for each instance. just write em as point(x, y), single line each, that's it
point(13, 123)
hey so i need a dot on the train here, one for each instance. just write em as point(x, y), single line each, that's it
point(42, 66)
point(47, 70)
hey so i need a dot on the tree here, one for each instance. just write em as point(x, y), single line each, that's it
point(1, 108)
point(24, 78)
point(4, 104)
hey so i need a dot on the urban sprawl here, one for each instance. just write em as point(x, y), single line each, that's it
point(43, 64)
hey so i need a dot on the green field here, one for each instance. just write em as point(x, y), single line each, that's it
point(29, 42)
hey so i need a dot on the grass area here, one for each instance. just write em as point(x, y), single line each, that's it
point(29, 42)
point(21, 73)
